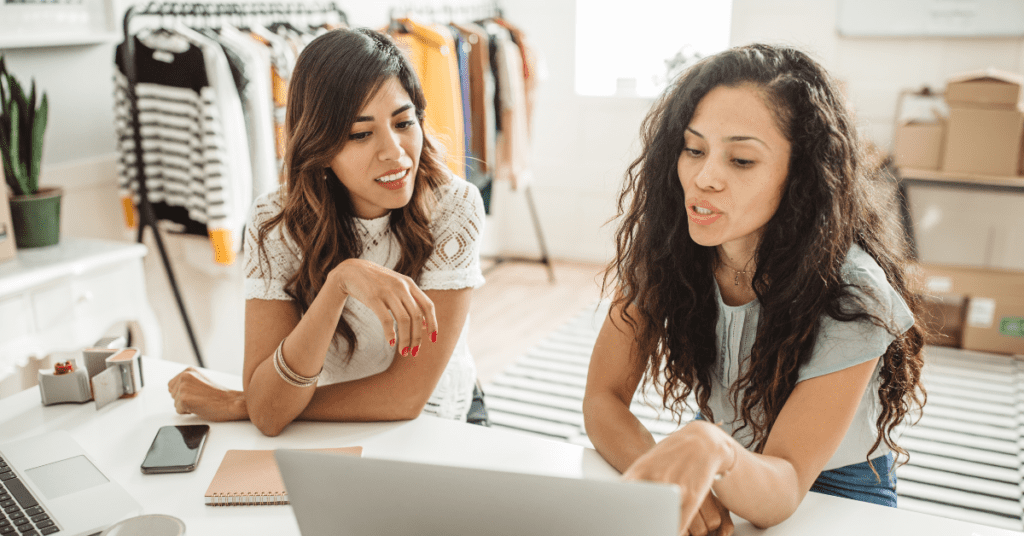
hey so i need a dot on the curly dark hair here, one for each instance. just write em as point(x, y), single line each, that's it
point(830, 201)
point(334, 77)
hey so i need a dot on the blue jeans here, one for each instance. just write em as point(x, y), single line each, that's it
point(859, 483)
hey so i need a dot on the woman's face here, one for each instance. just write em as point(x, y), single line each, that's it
point(379, 161)
point(733, 167)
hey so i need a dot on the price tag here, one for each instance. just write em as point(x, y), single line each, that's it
point(981, 312)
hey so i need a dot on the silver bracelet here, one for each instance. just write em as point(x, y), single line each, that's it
point(735, 458)
point(287, 374)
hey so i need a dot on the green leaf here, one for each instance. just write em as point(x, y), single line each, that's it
point(38, 129)
point(5, 148)
point(30, 115)
point(18, 170)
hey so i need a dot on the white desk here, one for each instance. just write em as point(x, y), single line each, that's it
point(65, 297)
point(118, 436)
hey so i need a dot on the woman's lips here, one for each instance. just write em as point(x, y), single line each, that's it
point(702, 219)
point(394, 185)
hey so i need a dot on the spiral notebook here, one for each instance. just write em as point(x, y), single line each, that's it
point(251, 477)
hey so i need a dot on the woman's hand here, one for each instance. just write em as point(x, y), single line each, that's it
point(690, 458)
point(713, 516)
point(195, 393)
point(389, 294)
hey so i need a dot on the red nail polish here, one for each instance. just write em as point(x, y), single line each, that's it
point(433, 337)
point(415, 350)
point(405, 351)
point(392, 343)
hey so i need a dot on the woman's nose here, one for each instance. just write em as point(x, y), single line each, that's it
point(709, 176)
point(391, 147)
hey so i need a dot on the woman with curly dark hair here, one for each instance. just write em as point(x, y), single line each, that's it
point(360, 268)
point(757, 269)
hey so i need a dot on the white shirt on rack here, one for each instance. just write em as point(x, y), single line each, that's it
point(457, 225)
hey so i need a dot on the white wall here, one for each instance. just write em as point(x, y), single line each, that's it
point(581, 148)
point(954, 227)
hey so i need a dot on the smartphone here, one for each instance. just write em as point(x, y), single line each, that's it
point(176, 449)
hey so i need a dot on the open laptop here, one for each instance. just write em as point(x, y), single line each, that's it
point(50, 483)
point(332, 495)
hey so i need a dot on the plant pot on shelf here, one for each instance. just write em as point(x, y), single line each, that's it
point(37, 218)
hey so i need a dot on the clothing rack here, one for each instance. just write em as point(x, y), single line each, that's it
point(203, 14)
point(435, 13)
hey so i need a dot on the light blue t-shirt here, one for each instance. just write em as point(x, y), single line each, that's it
point(840, 345)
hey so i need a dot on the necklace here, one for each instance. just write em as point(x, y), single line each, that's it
point(736, 275)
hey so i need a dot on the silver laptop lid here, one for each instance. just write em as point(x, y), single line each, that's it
point(334, 494)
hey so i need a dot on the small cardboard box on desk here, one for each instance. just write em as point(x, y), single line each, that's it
point(986, 123)
point(992, 318)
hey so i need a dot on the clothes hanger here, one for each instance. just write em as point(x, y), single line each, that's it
point(396, 25)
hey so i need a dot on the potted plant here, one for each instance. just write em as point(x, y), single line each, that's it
point(35, 211)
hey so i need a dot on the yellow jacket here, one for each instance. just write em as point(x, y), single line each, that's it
point(431, 50)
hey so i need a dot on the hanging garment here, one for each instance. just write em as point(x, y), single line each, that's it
point(430, 49)
point(462, 55)
point(481, 89)
point(512, 141)
point(282, 61)
point(181, 140)
point(534, 69)
point(257, 103)
point(225, 228)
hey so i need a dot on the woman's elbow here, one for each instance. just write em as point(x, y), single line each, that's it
point(268, 426)
point(407, 408)
point(264, 418)
point(782, 507)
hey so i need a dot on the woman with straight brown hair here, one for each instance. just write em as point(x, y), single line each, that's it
point(360, 268)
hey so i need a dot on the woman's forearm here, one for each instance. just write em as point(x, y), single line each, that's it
point(272, 402)
point(762, 489)
point(616, 433)
point(375, 398)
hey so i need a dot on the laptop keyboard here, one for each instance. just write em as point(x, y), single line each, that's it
point(20, 512)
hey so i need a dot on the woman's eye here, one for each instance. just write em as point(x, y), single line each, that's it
point(359, 136)
point(406, 124)
point(743, 163)
point(693, 152)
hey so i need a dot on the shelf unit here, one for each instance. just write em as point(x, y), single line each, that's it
point(960, 181)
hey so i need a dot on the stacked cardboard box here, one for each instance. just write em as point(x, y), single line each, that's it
point(918, 144)
point(985, 130)
point(974, 308)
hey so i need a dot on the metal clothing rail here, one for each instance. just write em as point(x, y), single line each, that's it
point(435, 13)
point(213, 13)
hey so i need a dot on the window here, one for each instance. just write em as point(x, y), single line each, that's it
point(622, 47)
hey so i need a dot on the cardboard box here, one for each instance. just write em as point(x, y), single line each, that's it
point(994, 325)
point(989, 88)
point(943, 318)
point(994, 316)
point(984, 141)
point(7, 250)
point(918, 145)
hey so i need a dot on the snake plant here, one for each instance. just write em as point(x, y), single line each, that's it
point(22, 125)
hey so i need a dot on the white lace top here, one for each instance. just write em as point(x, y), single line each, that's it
point(457, 224)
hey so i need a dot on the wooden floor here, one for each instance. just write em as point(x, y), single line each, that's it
point(518, 306)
